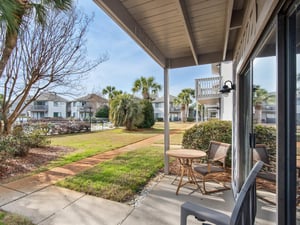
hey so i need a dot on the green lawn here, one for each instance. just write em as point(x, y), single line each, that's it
point(89, 144)
point(13, 219)
point(121, 178)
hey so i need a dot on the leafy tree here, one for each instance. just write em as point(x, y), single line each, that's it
point(103, 112)
point(14, 16)
point(45, 59)
point(148, 113)
point(125, 110)
point(185, 99)
point(147, 86)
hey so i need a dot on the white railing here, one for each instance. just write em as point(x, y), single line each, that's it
point(208, 87)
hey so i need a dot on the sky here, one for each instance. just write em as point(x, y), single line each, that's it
point(127, 60)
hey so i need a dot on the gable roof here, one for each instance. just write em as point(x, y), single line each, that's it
point(48, 96)
point(91, 98)
point(161, 99)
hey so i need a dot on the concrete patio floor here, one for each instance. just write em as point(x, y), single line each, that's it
point(47, 204)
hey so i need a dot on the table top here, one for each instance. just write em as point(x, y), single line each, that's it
point(186, 153)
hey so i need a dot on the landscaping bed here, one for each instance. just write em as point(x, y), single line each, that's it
point(13, 168)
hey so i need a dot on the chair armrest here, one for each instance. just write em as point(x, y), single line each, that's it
point(202, 213)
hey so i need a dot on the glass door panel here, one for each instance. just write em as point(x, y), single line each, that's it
point(264, 115)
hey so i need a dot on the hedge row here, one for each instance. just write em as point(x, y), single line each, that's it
point(199, 136)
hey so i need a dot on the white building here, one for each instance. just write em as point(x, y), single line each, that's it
point(211, 103)
point(85, 107)
point(174, 110)
point(48, 105)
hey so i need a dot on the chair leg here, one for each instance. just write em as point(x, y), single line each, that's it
point(183, 216)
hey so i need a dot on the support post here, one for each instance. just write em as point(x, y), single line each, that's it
point(196, 94)
point(166, 120)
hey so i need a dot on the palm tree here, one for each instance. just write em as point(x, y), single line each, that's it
point(184, 99)
point(111, 92)
point(261, 96)
point(125, 110)
point(147, 85)
point(12, 16)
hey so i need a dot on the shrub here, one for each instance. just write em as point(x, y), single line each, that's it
point(266, 135)
point(103, 112)
point(190, 119)
point(159, 119)
point(148, 113)
point(19, 142)
point(199, 136)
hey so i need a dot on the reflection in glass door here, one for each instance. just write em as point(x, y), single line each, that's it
point(264, 114)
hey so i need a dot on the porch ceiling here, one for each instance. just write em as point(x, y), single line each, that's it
point(180, 33)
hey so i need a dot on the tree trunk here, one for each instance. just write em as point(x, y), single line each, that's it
point(183, 113)
point(258, 112)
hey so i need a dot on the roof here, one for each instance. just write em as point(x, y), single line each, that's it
point(161, 99)
point(48, 96)
point(91, 98)
point(180, 33)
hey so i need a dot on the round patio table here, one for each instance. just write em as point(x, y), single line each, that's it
point(185, 158)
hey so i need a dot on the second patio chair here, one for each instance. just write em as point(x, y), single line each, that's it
point(260, 153)
point(216, 155)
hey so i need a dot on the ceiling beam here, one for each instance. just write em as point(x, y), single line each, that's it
point(236, 19)
point(188, 28)
point(203, 59)
point(227, 27)
point(122, 17)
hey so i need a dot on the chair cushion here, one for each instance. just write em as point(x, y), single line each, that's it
point(203, 170)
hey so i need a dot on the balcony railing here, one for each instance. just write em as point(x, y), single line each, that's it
point(208, 88)
point(39, 108)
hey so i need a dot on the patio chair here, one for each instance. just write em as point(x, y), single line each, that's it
point(260, 153)
point(244, 210)
point(217, 152)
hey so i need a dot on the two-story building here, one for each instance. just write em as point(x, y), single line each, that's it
point(48, 105)
point(85, 107)
point(210, 102)
point(158, 106)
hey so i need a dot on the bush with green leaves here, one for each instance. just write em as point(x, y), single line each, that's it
point(148, 113)
point(18, 143)
point(266, 135)
point(199, 136)
point(103, 112)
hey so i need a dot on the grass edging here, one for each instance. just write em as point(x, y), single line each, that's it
point(121, 178)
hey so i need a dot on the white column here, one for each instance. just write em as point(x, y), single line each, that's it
point(166, 120)
point(196, 94)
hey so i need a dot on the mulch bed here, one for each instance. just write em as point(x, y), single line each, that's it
point(13, 168)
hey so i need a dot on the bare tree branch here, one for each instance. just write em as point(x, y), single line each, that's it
point(46, 58)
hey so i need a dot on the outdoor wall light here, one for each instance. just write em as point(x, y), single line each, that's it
point(227, 87)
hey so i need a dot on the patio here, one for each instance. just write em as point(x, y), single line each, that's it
point(158, 204)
